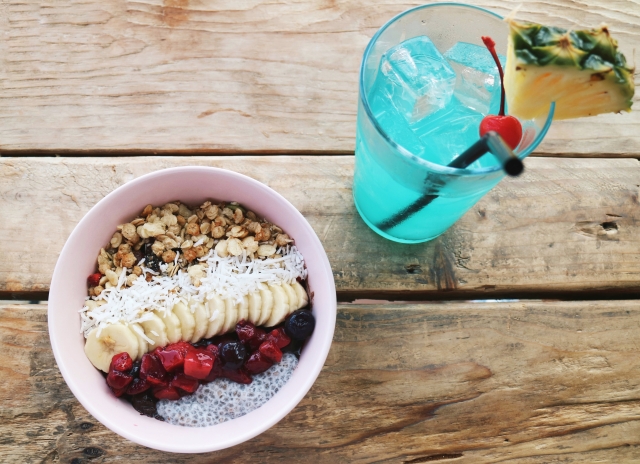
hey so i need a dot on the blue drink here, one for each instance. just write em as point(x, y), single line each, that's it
point(426, 83)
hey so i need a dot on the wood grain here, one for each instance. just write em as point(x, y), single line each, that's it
point(520, 382)
point(234, 77)
point(566, 225)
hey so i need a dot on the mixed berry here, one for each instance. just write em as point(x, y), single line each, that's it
point(176, 370)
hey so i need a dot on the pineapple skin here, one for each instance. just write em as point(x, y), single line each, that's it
point(581, 71)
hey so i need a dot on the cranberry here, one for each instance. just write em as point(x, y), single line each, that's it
point(172, 360)
point(250, 334)
point(118, 380)
point(184, 383)
point(270, 351)
point(257, 363)
point(121, 362)
point(94, 279)
point(198, 363)
point(279, 337)
point(300, 325)
point(138, 386)
point(237, 375)
point(166, 393)
point(232, 354)
point(152, 370)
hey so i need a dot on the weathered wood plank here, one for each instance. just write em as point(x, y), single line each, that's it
point(525, 382)
point(566, 225)
point(233, 77)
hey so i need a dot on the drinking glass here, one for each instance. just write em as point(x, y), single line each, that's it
point(391, 174)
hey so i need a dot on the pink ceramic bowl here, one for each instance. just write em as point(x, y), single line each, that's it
point(192, 185)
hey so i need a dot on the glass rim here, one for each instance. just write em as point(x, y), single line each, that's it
point(403, 151)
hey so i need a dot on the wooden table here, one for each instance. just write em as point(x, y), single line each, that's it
point(545, 369)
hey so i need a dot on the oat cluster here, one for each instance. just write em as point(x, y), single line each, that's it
point(223, 400)
point(178, 235)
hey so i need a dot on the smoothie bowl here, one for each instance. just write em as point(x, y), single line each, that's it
point(191, 309)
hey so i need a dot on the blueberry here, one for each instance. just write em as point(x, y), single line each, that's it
point(232, 354)
point(135, 370)
point(300, 325)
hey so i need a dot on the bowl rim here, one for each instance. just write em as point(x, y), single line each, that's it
point(323, 272)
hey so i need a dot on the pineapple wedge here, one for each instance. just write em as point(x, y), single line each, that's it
point(582, 71)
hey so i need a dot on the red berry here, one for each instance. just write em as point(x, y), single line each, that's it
point(166, 393)
point(216, 372)
point(279, 337)
point(250, 334)
point(213, 349)
point(182, 347)
point(237, 375)
point(118, 380)
point(172, 360)
point(94, 279)
point(508, 127)
point(138, 386)
point(118, 391)
point(121, 362)
point(152, 370)
point(184, 383)
point(257, 363)
point(271, 351)
point(198, 363)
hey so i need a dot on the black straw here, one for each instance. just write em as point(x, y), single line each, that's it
point(492, 142)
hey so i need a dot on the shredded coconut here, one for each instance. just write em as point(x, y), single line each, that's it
point(229, 277)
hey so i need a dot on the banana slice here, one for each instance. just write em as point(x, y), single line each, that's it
point(187, 320)
point(303, 298)
point(267, 305)
point(155, 329)
point(143, 346)
point(201, 315)
point(243, 309)
point(171, 321)
point(292, 297)
point(217, 312)
point(113, 339)
point(280, 306)
point(255, 307)
point(231, 316)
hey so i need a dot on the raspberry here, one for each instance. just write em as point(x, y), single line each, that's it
point(94, 279)
point(271, 351)
point(121, 362)
point(198, 363)
point(257, 363)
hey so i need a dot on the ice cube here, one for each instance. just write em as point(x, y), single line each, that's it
point(416, 78)
point(478, 81)
point(448, 133)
